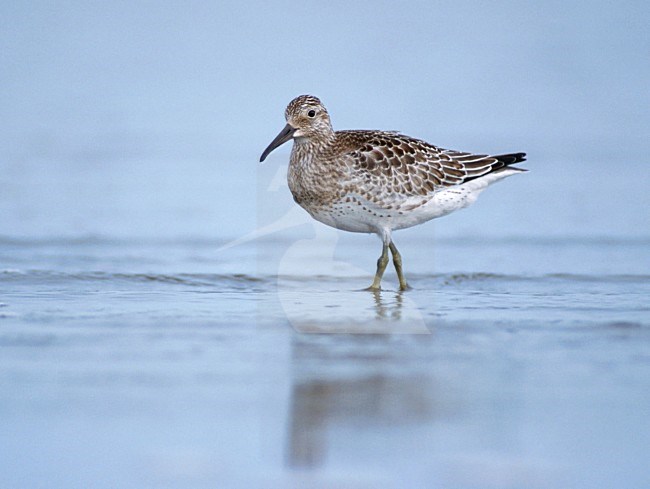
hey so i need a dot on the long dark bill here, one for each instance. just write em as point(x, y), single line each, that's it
point(280, 139)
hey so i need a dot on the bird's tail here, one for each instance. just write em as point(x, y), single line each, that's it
point(497, 164)
point(509, 159)
point(504, 162)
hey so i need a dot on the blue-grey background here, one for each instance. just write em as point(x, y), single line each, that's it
point(148, 118)
point(135, 352)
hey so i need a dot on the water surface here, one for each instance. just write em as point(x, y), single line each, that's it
point(132, 363)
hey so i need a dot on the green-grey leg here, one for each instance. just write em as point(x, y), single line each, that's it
point(397, 261)
point(381, 267)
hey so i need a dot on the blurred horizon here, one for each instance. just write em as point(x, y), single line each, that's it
point(148, 118)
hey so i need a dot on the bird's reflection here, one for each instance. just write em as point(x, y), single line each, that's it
point(361, 312)
point(343, 383)
point(388, 310)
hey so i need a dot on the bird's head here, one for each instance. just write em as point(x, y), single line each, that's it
point(307, 119)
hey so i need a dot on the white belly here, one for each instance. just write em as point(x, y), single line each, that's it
point(362, 216)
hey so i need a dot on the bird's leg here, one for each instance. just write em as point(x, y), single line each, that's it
point(397, 261)
point(381, 266)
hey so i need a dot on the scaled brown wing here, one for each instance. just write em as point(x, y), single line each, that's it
point(404, 166)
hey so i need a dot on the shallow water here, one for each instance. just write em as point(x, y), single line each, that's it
point(194, 339)
point(152, 363)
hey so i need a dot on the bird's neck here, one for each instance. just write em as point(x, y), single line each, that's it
point(307, 147)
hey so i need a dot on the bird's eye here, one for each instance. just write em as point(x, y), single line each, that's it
point(311, 113)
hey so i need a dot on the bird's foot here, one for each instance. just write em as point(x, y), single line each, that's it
point(373, 288)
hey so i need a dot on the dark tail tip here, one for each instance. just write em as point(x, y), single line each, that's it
point(511, 158)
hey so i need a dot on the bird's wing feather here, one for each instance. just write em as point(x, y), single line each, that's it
point(406, 167)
